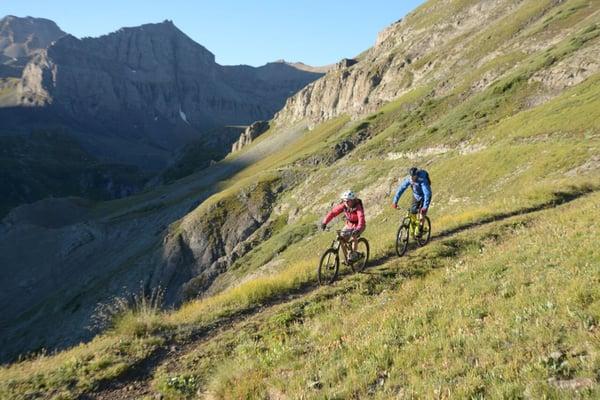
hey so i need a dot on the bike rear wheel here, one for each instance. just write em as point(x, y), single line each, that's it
point(425, 233)
point(328, 267)
point(402, 237)
point(362, 248)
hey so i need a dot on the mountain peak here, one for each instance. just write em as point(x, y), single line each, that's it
point(22, 22)
point(166, 26)
point(142, 43)
point(23, 36)
point(304, 67)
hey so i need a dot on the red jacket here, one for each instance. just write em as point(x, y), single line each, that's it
point(355, 217)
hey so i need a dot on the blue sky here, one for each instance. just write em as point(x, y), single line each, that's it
point(316, 32)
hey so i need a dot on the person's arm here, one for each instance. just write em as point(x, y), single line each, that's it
point(426, 194)
point(335, 211)
point(403, 186)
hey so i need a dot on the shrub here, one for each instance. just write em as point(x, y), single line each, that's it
point(138, 314)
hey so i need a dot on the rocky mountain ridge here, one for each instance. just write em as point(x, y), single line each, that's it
point(21, 39)
point(250, 133)
point(132, 102)
point(145, 81)
point(410, 53)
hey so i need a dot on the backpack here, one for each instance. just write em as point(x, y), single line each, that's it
point(359, 203)
point(427, 176)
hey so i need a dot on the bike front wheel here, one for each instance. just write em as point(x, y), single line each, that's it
point(402, 237)
point(328, 267)
point(362, 248)
point(423, 239)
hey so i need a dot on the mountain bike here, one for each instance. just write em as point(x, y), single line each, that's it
point(410, 227)
point(330, 260)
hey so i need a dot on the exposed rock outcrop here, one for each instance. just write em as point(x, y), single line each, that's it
point(21, 39)
point(345, 63)
point(252, 132)
point(340, 149)
point(383, 72)
point(211, 238)
point(571, 71)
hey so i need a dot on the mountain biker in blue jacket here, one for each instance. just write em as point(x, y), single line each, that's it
point(419, 180)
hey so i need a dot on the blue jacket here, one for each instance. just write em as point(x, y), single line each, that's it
point(421, 188)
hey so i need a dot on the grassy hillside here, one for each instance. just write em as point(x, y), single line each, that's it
point(486, 312)
point(503, 303)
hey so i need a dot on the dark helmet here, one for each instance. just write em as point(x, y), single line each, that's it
point(413, 171)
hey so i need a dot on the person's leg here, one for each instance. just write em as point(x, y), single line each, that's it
point(351, 256)
point(414, 210)
point(355, 237)
point(419, 205)
point(343, 246)
point(350, 250)
point(346, 236)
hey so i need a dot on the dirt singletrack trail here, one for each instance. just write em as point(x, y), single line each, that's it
point(136, 381)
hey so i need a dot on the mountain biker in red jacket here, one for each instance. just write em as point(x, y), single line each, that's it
point(354, 214)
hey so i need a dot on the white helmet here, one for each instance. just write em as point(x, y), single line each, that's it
point(348, 195)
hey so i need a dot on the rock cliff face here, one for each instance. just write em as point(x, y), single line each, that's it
point(21, 39)
point(249, 134)
point(211, 238)
point(382, 73)
point(136, 95)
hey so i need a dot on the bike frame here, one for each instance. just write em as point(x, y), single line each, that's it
point(338, 242)
point(414, 222)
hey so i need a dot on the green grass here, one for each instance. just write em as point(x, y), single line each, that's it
point(8, 90)
point(450, 252)
point(77, 370)
point(488, 115)
point(435, 11)
point(511, 25)
point(563, 17)
point(572, 114)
